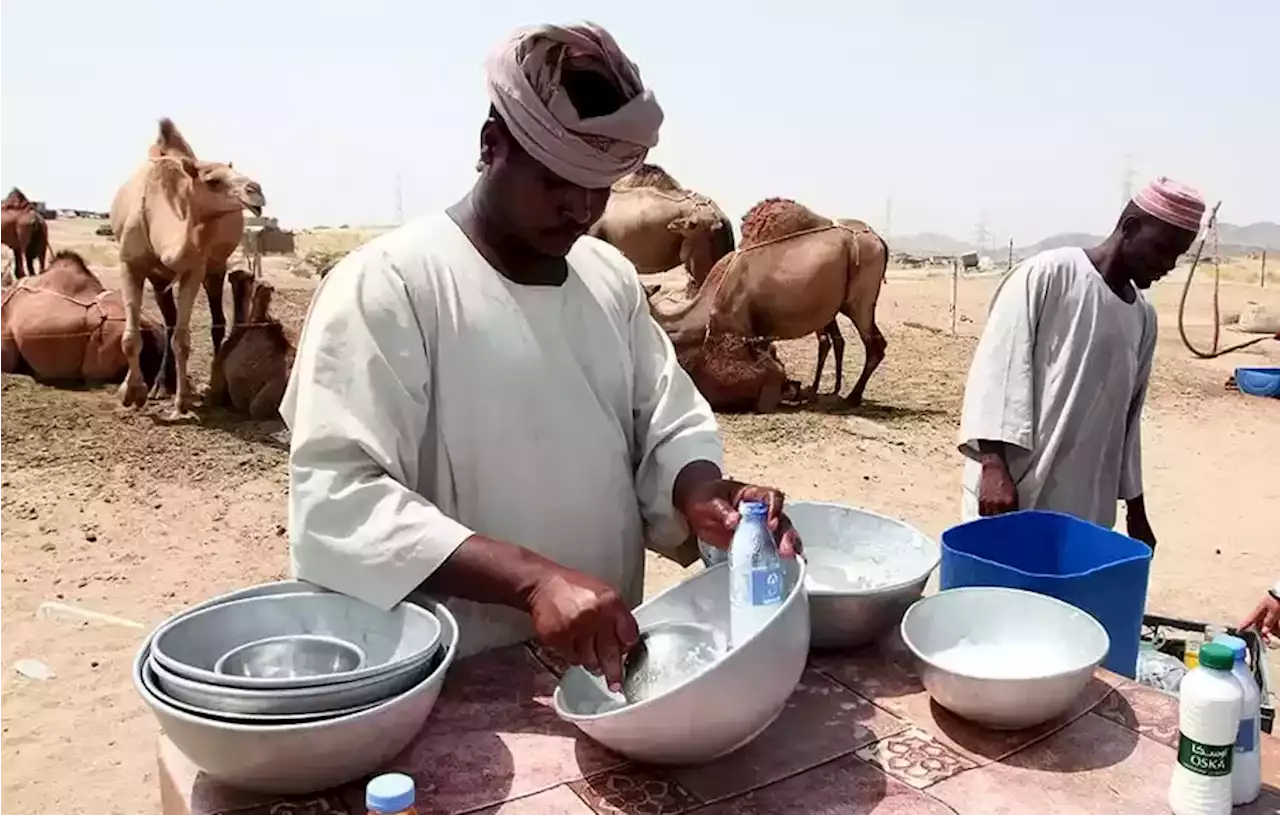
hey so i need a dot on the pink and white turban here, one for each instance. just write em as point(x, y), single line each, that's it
point(524, 86)
point(1171, 202)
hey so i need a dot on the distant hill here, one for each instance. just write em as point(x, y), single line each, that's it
point(1262, 235)
point(1083, 239)
point(928, 243)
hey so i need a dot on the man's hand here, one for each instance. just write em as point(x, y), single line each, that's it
point(997, 494)
point(1265, 618)
point(1137, 524)
point(584, 621)
point(709, 504)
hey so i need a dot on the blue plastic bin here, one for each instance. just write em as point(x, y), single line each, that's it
point(1094, 569)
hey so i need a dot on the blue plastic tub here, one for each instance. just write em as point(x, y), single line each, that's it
point(1258, 381)
point(1094, 569)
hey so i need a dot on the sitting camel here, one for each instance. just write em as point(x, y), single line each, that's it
point(658, 225)
point(23, 229)
point(63, 326)
point(166, 221)
point(794, 272)
point(251, 368)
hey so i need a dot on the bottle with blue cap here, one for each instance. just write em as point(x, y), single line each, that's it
point(1246, 766)
point(757, 577)
point(390, 794)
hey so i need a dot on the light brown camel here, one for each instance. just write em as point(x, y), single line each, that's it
point(165, 219)
point(64, 327)
point(794, 272)
point(658, 225)
point(23, 229)
point(251, 369)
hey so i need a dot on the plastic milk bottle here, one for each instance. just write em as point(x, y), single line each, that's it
point(1246, 766)
point(1209, 708)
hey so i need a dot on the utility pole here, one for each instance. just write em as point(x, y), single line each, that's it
point(888, 219)
point(1126, 180)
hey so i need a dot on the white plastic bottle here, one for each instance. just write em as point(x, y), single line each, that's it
point(1246, 766)
point(757, 577)
point(1209, 705)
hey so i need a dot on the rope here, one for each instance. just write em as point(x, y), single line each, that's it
point(1214, 352)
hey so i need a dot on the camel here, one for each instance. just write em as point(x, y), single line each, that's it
point(658, 225)
point(251, 368)
point(64, 327)
point(168, 220)
point(24, 230)
point(794, 272)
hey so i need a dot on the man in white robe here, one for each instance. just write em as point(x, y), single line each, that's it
point(482, 406)
point(1053, 403)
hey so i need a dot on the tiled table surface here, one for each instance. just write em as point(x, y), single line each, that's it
point(859, 735)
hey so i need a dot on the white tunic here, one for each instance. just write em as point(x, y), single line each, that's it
point(432, 399)
point(1060, 375)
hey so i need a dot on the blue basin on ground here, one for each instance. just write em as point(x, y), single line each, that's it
point(1096, 570)
point(1258, 381)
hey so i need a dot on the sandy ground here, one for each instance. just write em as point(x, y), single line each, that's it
point(124, 514)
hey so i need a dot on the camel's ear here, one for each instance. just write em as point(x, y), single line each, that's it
point(190, 167)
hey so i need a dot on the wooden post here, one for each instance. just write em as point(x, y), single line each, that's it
point(1262, 276)
point(1011, 253)
point(955, 291)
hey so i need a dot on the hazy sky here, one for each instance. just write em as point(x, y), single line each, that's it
point(1019, 113)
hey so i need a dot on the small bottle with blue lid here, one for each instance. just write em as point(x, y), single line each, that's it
point(757, 576)
point(390, 794)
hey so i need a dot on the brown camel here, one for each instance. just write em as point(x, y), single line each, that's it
point(64, 327)
point(24, 230)
point(658, 225)
point(794, 272)
point(165, 219)
point(251, 368)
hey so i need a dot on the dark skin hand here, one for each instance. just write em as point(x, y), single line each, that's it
point(997, 492)
point(1136, 522)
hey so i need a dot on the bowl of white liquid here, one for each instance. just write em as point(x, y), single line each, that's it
point(1003, 658)
point(864, 571)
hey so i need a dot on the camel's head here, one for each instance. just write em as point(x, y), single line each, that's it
point(223, 188)
point(698, 222)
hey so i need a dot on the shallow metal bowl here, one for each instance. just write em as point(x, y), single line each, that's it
point(1003, 658)
point(717, 709)
point(864, 571)
point(303, 758)
point(400, 640)
point(291, 657)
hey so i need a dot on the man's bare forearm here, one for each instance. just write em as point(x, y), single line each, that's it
point(484, 570)
point(993, 452)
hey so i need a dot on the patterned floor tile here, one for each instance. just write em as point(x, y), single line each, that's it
point(555, 801)
point(494, 736)
point(634, 791)
point(1143, 710)
point(822, 720)
point(845, 786)
point(1092, 766)
point(915, 757)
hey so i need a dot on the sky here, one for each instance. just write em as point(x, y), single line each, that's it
point(915, 115)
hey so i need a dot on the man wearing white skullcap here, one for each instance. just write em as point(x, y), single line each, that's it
point(1053, 403)
point(482, 406)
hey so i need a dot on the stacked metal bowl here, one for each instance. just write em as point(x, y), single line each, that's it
point(290, 688)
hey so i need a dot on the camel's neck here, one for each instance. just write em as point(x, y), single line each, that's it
point(687, 322)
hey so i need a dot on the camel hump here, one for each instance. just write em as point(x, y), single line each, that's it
point(170, 141)
point(16, 200)
point(651, 176)
point(775, 218)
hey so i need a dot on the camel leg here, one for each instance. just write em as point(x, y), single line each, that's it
point(875, 344)
point(166, 383)
point(837, 345)
point(133, 390)
point(188, 287)
point(18, 262)
point(213, 281)
point(824, 348)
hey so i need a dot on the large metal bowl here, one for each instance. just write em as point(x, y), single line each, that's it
point(400, 640)
point(864, 571)
point(302, 758)
point(1003, 658)
point(717, 709)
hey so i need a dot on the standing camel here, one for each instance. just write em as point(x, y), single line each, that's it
point(25, 232)
point(794, 272)
point(166, 221)
point(658, 225)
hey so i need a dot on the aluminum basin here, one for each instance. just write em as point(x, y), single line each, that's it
point(1003, 658)
point(302, 758)
point(400, 640)
point(865, 570)
point(715, 710)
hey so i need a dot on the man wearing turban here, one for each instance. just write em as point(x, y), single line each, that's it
point(1053, 403)
point(481, 405)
